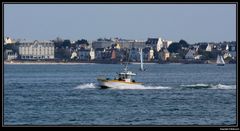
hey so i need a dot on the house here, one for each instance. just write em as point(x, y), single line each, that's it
point(86, 54)
point(155, 43)
point(166, 43)
point(164, 54)
point(92, 54)
point(102, 43)
point(135, 54)
point(36, 50)
point(8, 40)
point(232, 48)
point(10, 55)
point(146, 53)
point(99, 53)
point(190, 54)
point(139, 44)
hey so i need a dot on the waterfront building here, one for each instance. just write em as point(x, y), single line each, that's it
point(86, 54)
point(36, 50)
point(99, 53)
point(164, 54)
point(146, 53)
point(190, 54)
point(8, 40)
point(113, 56)
point(166, 43)
point(138, 44)
point(155, 43)
point(135, 54)
point(92, 54)
point(10, 55)
point(102, 43)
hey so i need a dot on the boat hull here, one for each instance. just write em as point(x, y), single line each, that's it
point(104, 84)
point(220, 64)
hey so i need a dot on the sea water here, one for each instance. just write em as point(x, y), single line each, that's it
point(172, 94)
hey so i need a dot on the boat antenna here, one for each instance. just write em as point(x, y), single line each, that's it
point(126, 68)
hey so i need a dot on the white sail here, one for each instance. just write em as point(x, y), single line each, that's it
point(141, 59)
point(220, 60)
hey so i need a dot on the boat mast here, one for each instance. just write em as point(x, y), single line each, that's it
point(126, 67)
point(141, 59)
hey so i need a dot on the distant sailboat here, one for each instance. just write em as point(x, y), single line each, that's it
point(141, 59)
point(220, 61)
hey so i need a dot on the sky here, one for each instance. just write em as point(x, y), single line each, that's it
point(191, 22)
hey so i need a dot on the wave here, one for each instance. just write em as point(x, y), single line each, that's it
point(142, 87)
point(135, 87)
point(146, 87)
point(86, 86)
point(209, 86)
point(220, 86)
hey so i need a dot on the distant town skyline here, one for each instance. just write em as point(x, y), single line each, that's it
point(191, 22)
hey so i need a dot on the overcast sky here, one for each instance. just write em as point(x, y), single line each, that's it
point(191, 22)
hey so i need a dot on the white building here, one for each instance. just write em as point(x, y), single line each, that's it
point(36, 50)
point(10, 55)
point(92, 54)
point(8, 40)
point(164, 54)
point(151, 55)
point(158, 43)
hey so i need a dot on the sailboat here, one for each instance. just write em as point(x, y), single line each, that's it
point(141, 59)
point(220, 61)
point(123, 79)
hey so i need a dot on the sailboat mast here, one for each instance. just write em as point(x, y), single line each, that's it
point(141, 59)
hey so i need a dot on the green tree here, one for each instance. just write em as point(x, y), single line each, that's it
point(82, 42)
point(174, 47)
point(66, 43)
point(183, 43)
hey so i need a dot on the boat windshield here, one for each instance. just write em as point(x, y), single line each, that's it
point(125, 76)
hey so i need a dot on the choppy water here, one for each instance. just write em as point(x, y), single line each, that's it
point(173, 94)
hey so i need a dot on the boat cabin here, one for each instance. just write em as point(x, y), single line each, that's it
point(126, 76)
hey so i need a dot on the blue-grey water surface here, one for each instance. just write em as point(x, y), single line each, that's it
point(173, 94)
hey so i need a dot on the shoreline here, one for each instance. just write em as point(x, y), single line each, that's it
point(47, 63)
point(79, 63)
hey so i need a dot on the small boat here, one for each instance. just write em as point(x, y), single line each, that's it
point(123, 79)
point(220, 61)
